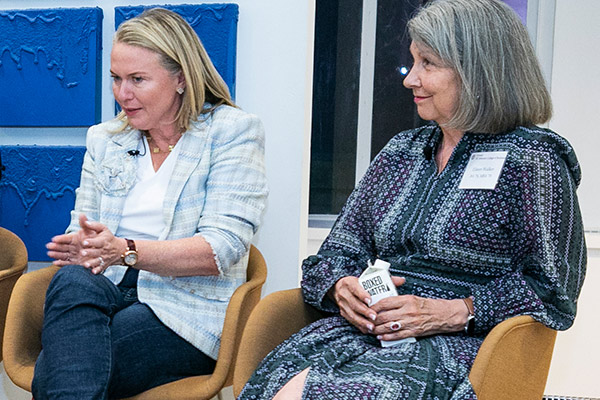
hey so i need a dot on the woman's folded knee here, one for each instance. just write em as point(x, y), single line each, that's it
point(74, 283)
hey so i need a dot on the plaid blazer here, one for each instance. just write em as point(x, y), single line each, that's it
point(217, 190)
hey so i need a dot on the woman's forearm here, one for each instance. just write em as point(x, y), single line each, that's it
point(181, 257)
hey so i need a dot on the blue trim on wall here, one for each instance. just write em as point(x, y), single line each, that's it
point(37, 192)
point(215, 25)
point(50, 67)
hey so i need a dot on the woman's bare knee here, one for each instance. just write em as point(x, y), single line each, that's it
point(293, 389)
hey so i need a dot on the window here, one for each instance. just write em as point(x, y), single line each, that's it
point(359, 103)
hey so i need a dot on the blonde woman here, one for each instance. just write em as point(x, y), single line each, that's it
point(171, 194)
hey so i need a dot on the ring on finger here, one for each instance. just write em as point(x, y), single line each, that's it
point(101, 261)
point(395, 326)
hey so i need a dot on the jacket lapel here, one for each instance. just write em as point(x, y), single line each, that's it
point(124, 142)
point(122, 164)
point(193, 144)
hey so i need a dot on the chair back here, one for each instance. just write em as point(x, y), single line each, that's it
point(24, 319)
point(243, 301)
point(275, 318)
point(25, 314)
point(13, 261)
point(512, 363)
point(514, 360)
point(240, 306)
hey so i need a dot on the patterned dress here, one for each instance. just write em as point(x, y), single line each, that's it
point(517, 249)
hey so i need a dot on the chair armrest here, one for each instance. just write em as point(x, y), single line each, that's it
point(275, 318)
point(22, 335)
point(513, 361)
point(13, 261)
point(8, 279)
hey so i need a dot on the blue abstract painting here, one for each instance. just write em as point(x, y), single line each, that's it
point(215, 25)
point(50, 66)
point(37, 192)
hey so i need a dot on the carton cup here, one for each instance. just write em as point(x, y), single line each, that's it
point(377, 281)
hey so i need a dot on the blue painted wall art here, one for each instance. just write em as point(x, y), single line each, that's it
point(50, 66)
point(37, 192)
point(215, 25)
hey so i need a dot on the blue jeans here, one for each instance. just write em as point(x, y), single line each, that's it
point(99, 342)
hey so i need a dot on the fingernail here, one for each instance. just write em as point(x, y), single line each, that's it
point(84, 253)
point(368, 301)
point(370, 327)
point(373, 317)
point(85, 243)
point(379, 337)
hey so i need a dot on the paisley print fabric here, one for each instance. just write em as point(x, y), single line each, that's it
point(517, 249)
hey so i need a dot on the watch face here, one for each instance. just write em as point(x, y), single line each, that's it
point(130, 258)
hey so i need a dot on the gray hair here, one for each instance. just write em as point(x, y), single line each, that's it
point(488, 47)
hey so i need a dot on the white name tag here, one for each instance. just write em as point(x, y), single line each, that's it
point(483, 170)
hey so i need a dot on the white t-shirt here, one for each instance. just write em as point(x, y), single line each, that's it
point(142, 216)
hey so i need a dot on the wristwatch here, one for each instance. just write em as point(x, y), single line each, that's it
point(130, 256)
point(470, 325)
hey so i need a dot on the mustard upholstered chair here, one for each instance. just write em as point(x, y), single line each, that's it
point(512, 363)
point(22, 343)
point(13, 261)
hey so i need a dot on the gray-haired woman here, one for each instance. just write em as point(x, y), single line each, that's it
point(476, 213)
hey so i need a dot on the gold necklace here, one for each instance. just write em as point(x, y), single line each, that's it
point(157, 149)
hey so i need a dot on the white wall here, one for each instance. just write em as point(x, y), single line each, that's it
point(275, 54)
point(575, 89)
point(574, 367)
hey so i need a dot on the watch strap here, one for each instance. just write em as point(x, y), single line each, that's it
point(130, 245)
point(470, 325)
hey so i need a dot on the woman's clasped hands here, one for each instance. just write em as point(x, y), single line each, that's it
point(397, 317)
point(93, 246)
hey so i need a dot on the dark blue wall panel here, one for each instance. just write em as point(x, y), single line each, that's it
point(37, 192)
point(216, 26)
point(50, 66)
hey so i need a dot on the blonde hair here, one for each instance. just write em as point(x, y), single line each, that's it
point(180, 50)
point(488, 47)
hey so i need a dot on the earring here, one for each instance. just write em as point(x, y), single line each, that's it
point(180, 90)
